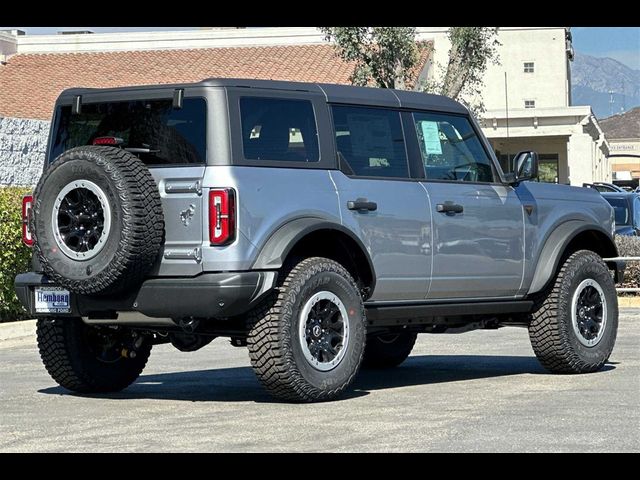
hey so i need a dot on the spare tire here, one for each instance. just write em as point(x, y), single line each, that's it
point(97, 221)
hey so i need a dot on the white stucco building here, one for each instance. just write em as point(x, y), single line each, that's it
point(527, 95)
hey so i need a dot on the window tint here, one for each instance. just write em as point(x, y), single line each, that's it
point(636, 212)
point(278, 129)
point(451, 149)
point(156, 132)
point(370, 140)
point(620, 209)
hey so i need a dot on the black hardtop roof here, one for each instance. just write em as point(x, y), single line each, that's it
point(332, 92)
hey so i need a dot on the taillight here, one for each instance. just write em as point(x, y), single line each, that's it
point(27, 204)
point(222, 216)
point(108, 141)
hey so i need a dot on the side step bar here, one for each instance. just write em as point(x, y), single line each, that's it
point(386, 315)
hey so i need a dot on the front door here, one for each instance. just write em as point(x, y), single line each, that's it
point(389, 212)
point(478, 244)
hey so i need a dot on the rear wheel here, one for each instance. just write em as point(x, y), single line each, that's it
point(389, 350)
point(574, 329)
point(307, 341)
point(91, 359)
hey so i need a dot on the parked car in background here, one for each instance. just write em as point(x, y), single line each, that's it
point(626, 206)
point(604, 187)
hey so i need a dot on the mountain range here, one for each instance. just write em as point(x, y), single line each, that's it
point(593, 78)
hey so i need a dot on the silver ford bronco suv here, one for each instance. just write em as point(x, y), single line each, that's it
point(322, 226)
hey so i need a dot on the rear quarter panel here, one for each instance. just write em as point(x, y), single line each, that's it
point(267, 198)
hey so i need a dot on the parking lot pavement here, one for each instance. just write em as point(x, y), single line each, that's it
point(478, 391)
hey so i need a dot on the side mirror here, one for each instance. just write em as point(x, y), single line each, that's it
point(525, 167)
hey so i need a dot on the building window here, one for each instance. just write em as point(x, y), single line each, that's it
point(528, 67)
point(529, 104)
point(548, 167)
point(505, 161)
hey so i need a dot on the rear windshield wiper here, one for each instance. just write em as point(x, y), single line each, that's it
point(144, 149)
point(140, 150)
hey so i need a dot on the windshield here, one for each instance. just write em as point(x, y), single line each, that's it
point(621, 210)
point(152, 129)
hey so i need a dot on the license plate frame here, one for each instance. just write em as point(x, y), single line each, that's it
point(51, 300)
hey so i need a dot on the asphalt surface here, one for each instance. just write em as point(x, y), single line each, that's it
point(478, 391)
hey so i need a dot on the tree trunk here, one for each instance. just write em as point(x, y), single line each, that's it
point(398, 81)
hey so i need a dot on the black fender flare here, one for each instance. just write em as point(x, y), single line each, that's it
point(555, 245)
point(274, 252)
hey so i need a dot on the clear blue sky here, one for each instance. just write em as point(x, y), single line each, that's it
point(620, 43)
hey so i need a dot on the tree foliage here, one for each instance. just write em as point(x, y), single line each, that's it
point(472, 48)
point(384, 56)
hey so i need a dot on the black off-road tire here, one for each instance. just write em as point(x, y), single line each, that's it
point(66, 355)
point(274, 340)
point(388, 350)
point(137, 223)
point(551, 331)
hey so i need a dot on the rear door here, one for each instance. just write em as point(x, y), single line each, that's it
point(170, 140)
point(380, 202)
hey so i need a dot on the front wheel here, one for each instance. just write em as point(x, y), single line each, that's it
point(574, 329)
point(91, 359)
point(307, 341)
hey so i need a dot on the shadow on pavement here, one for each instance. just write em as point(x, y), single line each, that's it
point(240, 384)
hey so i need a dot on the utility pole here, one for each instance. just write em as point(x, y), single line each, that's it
point(506, 102)
point(610, 102)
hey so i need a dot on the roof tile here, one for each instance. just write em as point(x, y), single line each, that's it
point(30, 83)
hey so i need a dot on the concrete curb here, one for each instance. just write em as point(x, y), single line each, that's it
point(27, 328)
point(629, 302)
point(11, 330)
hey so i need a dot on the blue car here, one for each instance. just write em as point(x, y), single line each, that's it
point(627, 211)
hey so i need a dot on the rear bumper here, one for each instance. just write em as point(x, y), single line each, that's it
point(209, 295)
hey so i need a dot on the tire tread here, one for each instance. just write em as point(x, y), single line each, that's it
point(142, 234)
point(269, 350)
point(549, 333)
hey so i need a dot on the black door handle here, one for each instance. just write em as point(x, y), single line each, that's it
point(362, 204)
point(449, 208)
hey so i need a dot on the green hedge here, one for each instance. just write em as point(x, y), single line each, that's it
point(14, 255)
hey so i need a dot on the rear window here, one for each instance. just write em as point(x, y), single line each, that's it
point(278, 129)
point(621, 210)
point(152, 129)
point(371, 141)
